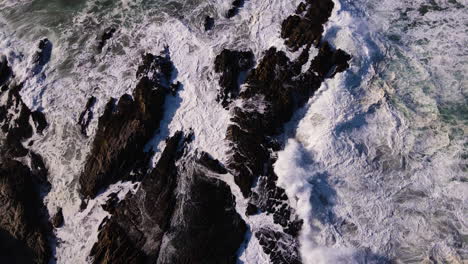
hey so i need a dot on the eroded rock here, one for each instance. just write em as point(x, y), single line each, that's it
point(179, 215)
point(232, 64)
point(23, 235)
point(306, 26)
point(126, 126)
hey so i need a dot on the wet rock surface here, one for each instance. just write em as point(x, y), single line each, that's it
point(23, 236)
point(273, 91)
point(179, 215)
point(24, 227)
point(213, 164)
point(87, 115)
point(232, 65)
point(126, 126)
point(283, 249)
point(306, 26)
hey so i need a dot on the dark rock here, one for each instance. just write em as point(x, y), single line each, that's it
point(87, 115)
point(23, 235)
point(57, 220)
point(273, 91)
point(251, 209)
point(39, 120)
point(175, 87)
point(307, 29)
point(42, 55)
point(328, 62)
point(209, 23)
point(234, 10)
point(105, 36)
point(301, 8)
point(126, 126)
point(211, 163)
point(14, 122)
point(5, 70)
point(232, 64)
point(193, 214)
point(111, 203)
point(282, 248)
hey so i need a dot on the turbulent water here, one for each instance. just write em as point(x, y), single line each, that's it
point(376, 163)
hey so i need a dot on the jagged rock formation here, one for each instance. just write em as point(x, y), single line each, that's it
point(24, 227)
point(179, 215)
point(282, 249)
point(15, 119)
point(273, 91)
point(87, 115)
point(232, 65)
point(306, 26)
point(105, 36)
point(23, 236)
point(126, 126)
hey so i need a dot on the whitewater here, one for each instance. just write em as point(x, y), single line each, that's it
point(375, 163)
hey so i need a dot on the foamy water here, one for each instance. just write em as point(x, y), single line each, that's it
point(375, 163)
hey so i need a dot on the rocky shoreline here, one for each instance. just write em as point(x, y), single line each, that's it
point(182, 212)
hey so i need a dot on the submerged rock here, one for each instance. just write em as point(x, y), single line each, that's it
point(126, 126)
point(231, 64)
point(105, 36)
point(42, 55)
point(179, 215)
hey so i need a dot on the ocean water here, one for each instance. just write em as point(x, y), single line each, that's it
point(375, 163)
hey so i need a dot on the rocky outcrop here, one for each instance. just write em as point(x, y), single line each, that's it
point(104, 37)
point(87, 115)
point(15, 123)
point(306, 26)
point(211, 163)
point(283, 249)
point(273, 91)
point(23, 236)
point(24, 230)
point(179, 215)
point(232, 64)
point(126, 126)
